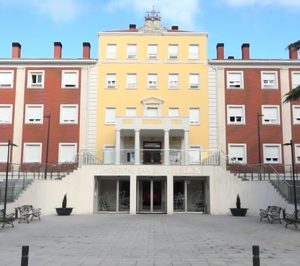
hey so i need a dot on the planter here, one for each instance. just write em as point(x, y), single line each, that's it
point(63, 211)
point(238, 212)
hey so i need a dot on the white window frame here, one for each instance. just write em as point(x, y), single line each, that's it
point(110, 115)
point(9, 77)
point(192, 121)
point(3, 152)
point(39, 117)
point(71, 120)
point(235, 83)
point(74, 80)
point(235, 158)
point(60, 152)
point(111, 51)
point(173, 112)
point(152, 51)
point(230, 113)
point(173, 51)
point(152, 82)
point(173, 81)
point(271, 160)
point(25, 152)
point(35, 85)
point(130, 111)
point(265, 119)
point(297, 153)
point(196, 150)
point(131, 81)
point(194, 81)
point(7, 119)
point(295, 83)
point(296, 114)
point(151, 107)
point(111, 81)
point(131, 51)
point(193, 51)
point(267, 82)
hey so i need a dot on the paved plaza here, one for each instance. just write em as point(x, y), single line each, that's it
point(122, 239)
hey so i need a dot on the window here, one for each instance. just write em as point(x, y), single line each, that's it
point(6, 79)
point(235, 79)
point(130, 111)
point(35, 79)
point(193, 51)
point(110, 115)
point(152, 111)
point(297, 153)
point(69, 79)
point(3, 152)
point(67, 152)
point(272, 153)
point(195, 155)
point(131, 81)
point(235, 114)
point(68, 114)
point(270, 114)
point(194, 116)
point(296, 114)
point(152, 51)
point(193, 81)
point(237, 153)
point(109, 154)
point(269, 80)
point(131, 51)
point(295, 79)
point(173, 51)
point(173, 81)
point(32, 153)
point(152, 81)
point(34, 113)
point(111, 51)
point(6, 113)
point(110, 81)
point(173, 111)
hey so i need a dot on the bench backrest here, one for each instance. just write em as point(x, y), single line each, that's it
point(275, 209)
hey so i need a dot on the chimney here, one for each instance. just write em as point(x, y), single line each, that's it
point(246, 51)
point(293, 53)
point(132, 26)
point(174, 27)
point(86, 50)
point(16, 50)
point(220, 51)
point(57, 50)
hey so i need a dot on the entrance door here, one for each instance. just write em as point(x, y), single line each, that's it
point(152, 152)
point(151, 195)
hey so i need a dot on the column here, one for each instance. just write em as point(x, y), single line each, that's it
point(166, 147)
point(186, 147)
point(132, 194)
point(137, 147)
point(118, 147)
point(170, 194)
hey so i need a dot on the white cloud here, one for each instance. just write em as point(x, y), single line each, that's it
point(281, 3)
point(57, 10)
point(182, 13)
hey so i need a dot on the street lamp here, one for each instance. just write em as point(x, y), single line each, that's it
point(47, 145)
point(9, 144)
point(293, 174)
point(259, 142)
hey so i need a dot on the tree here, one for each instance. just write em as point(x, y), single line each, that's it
point(293, 94)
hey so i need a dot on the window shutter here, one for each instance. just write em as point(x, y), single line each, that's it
point(69, 114)
point(193, 51)
point(70, 79)
point(6, 79)
point(3, 153)
point(110, 114)
point(194, 81)
point(67, 152)
point(5, 114)
point(152, 51)
point(194, 116)
point(32, 153)
point(296, 80)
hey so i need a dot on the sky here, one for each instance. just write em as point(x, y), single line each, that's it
point(269, 26)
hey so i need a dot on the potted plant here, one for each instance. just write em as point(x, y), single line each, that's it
point(64, 210)
point(238, 211)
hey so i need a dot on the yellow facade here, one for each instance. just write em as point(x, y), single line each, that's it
point(182, 97)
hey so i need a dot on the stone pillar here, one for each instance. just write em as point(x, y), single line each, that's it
point(137, 147)
point(166, 148)
point(118, 147)
point(132, 194)
point(170, 194)
point(186, 147)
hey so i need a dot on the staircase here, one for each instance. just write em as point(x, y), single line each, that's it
point(14, 188)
